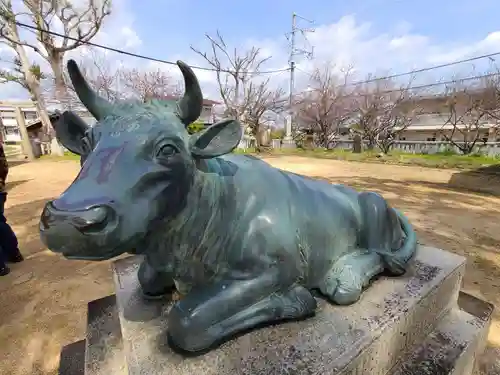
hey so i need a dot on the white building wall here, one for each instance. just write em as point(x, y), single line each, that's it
point(10, 127)
point(11, 131)
point(206, 114)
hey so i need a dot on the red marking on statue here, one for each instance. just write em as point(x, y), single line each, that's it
point(107, 158)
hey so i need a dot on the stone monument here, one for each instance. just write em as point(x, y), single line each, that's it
point(288, 141)
point(246, 245)
point(357, 144)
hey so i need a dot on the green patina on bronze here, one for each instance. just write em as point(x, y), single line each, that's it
point(245, 242)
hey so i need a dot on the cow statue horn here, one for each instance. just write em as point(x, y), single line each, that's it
point(98, 106)
point(190, 105)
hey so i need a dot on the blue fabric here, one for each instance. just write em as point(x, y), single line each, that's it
point(8, 239)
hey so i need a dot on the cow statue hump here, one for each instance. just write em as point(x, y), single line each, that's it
point(245, 243)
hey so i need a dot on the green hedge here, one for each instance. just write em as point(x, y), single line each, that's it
point(195, 127)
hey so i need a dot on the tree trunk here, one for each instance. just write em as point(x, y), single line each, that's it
point(37, 98)
point(371, 142)
point(34, 89)
point(56, 64)
point(61, 93)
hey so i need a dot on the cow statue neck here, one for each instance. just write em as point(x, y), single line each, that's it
point(245, 243)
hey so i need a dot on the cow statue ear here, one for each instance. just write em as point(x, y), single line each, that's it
point(218, 139)
point(70, 130)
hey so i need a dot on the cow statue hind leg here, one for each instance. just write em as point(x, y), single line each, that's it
point(155, 284)
point(212, 314)
point(387, 243)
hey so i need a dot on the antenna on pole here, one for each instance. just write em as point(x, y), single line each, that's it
point(294, 51)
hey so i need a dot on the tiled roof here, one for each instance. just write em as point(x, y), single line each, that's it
point(205, 101)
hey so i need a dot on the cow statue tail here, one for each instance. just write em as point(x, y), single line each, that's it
point(396, 261)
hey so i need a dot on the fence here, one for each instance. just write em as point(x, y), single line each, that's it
point(412, 147)
point(432, 147)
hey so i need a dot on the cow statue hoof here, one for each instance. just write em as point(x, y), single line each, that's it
point(351, 274)
point(154, 284)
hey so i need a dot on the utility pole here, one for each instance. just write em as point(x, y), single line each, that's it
point(294, 51)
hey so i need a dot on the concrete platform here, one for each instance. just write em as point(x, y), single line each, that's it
point(452, 348)
point(72, 360)
point(104, 353)
point(370, 337)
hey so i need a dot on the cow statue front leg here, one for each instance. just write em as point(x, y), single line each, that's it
point(212, 314)
point(350, 275)
point(155, 283)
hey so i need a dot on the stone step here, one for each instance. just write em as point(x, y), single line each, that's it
point(72, 360)
point(452, 348)
point(369, 337)
point(104, 346)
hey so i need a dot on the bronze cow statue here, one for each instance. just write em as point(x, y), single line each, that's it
point(245, 242)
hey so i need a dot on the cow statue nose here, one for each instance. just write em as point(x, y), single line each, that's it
point(96, 216)
point(92, 219)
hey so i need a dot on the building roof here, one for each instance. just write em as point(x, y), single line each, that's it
point(205, 101)
point(37, 123)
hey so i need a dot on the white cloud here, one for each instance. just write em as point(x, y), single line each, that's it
point(347, 42)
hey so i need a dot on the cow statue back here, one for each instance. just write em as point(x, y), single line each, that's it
point(245, 243)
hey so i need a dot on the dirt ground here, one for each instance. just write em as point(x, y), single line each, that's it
point(44, 299)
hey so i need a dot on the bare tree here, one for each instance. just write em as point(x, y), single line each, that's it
point(24, 72)
point(234, 71)
point(103, 76)
point(328, 105)
point(384, 111)
point(80, 23)
point(149, 84)
point(262, 103)
point(466, 109)
point(490, 101)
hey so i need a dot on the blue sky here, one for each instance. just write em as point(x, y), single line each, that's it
point(373, 36)
point(261, 19)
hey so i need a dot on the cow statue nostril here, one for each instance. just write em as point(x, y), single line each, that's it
point(95, 218)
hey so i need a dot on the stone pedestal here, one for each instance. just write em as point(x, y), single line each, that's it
point(415, 324)
point(288, 142)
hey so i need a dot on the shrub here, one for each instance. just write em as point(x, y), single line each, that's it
point(195, 127)
point(447, 151)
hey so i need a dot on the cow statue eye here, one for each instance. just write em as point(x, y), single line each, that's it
point(166, 151)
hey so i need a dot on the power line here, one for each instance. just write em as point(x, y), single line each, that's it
point(429, 68)
point(428, 85)
point(446, 82)
point(422, 70)
point(132, 54)
point(127, 53)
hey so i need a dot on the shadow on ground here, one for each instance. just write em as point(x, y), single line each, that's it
point(47, 295)
point(12, 184)
point(25, 220)
point(483, 180)
point(47, 298)
point(452, 219)
point(15, 163)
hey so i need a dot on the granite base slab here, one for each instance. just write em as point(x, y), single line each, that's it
point(368, 337)
point(72, 360)
point(104, 354)
point(453, 347)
